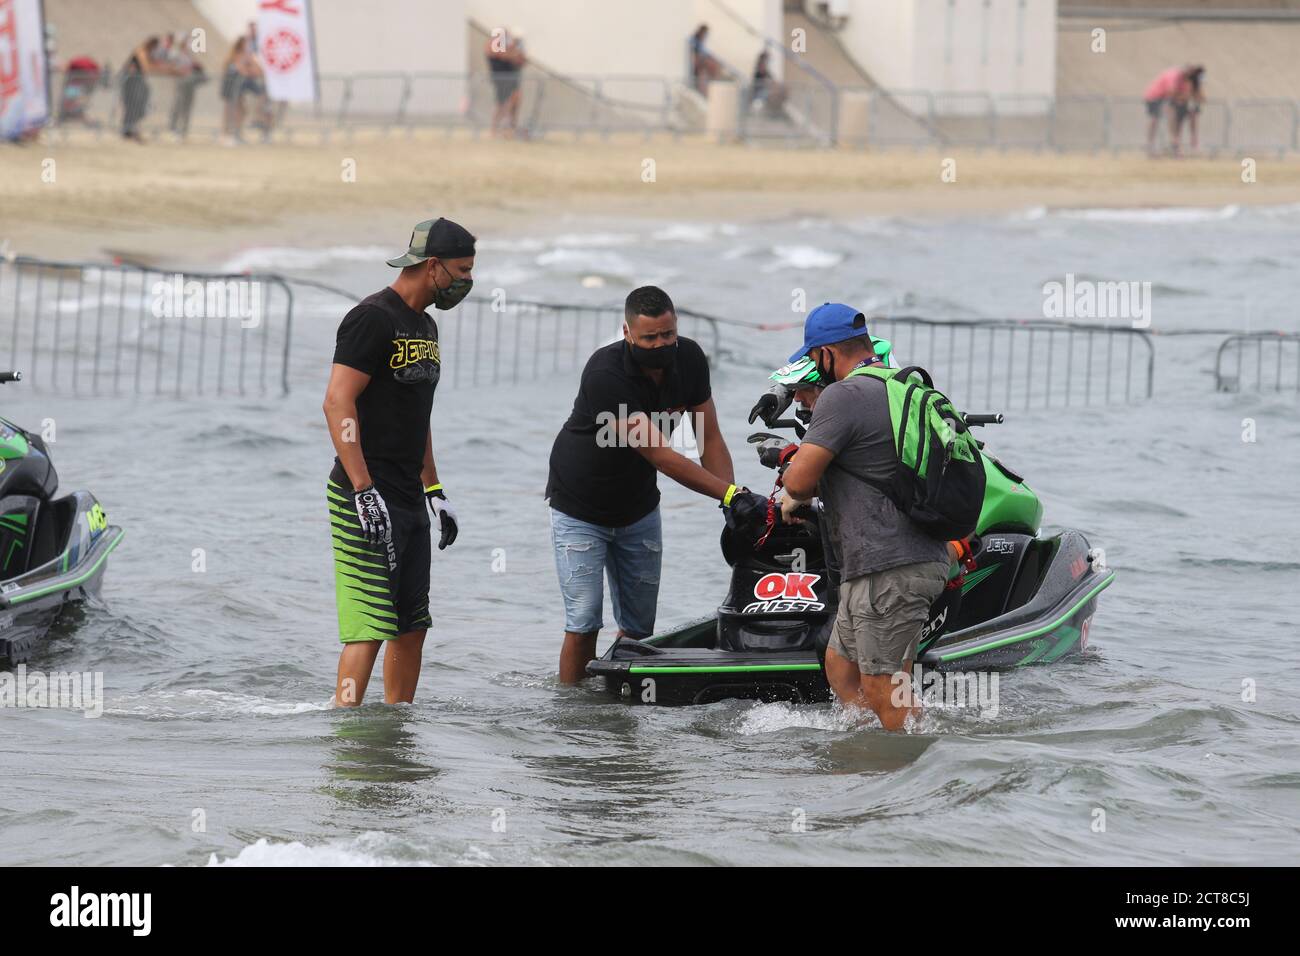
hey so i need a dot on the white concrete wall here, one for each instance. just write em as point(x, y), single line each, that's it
point(630, 37)
point(374, 36)
point(573, 37)
point(878, 34)
point(996, 47)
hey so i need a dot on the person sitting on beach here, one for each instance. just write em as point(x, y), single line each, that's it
point(766, 88)
point(505, 58)
point(704, 65)
point(1171, 86)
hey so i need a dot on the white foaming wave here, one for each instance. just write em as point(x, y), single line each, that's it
point(1032, 214)
point(594, 239)
point(200, 702)
point(510, 245)
point(686, 232)
point(936, 718)
point(566, 240)
point(771, 718)
point(507, 276)
point(587, 262)
point(369, 849)
point(1168, 215)
point(880, 226)
point(736, 252)
point(1283, 211)
point(812, 222)
point(803, 257)
point(279, 258)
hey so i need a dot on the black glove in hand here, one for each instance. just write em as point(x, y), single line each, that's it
point(776, 454)
point(446, 515)
point(746, 513)
point(765, 408)
point(376, 526)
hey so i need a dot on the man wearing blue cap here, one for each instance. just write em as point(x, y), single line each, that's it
point(890, 570)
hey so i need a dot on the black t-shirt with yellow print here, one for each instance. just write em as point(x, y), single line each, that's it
point(398, 348)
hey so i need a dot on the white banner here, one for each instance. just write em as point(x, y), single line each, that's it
point(24, 97)
point(284, 48)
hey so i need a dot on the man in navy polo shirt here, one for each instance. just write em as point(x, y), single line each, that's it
point(602, 485)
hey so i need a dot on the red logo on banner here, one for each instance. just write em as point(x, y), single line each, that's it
point(282, 50)
point(10, 81)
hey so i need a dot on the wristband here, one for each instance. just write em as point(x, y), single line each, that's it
point(437, 486)
point(731, 493)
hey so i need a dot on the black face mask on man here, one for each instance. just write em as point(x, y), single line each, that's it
point(661, 357)
point(827, 371)
point(454, 294)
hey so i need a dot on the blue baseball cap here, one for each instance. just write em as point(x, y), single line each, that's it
point(829, 323)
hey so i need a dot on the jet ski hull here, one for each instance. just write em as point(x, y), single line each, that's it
point(30, 604)
point(684, 667)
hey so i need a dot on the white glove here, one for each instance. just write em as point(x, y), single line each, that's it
point(446, 515)
point(788, 505)
point(372, 515)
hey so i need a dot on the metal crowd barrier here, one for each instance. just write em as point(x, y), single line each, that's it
point(1022, 363)
point(111, 329)
point(648, 104)
point(1259, 362)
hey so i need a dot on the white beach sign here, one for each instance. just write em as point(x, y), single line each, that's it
point(24, 99)
point(285, 49)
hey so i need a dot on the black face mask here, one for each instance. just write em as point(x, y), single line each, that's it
point(451, 296)
point(661, 357)
point(827, 372)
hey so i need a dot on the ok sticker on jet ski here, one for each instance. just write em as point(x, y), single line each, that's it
point(785, 592)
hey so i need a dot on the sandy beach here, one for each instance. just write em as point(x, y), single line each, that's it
point(184, 203)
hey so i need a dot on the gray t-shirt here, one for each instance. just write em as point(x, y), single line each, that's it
point(867, 531)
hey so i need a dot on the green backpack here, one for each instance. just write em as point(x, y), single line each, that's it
point(939, 480)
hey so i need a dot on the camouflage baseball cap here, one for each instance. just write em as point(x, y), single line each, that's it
point(436, 237)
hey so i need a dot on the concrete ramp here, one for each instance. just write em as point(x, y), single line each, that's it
point(825, 53)
point(553, 101)
point(109, 31)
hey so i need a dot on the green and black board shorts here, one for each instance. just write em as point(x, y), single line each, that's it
point(382, 590)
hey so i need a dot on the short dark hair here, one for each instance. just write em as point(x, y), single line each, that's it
point(649, 300)
point(862, 342)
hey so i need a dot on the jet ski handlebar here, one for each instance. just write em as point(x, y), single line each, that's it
point(973, 419)
point(771, 405)
point(10, 377)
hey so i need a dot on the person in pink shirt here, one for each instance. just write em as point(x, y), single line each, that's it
point(1178, 86)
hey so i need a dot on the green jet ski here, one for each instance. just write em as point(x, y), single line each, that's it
point(53, 550)
point(1017, 598)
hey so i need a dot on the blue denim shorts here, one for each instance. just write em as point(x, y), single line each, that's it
point(629, 557)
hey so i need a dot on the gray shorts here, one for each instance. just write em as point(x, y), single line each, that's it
point(880, 617)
